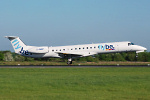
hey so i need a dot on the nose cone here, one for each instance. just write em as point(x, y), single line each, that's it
point(145, 49)
point(141, 49)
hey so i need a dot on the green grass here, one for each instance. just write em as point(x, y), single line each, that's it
point(75, 83)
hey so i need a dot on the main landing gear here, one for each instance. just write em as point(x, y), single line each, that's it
point(69, 62)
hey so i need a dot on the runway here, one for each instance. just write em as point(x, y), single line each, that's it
point(72, 66)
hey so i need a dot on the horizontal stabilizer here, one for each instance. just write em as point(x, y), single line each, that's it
point(11, 37)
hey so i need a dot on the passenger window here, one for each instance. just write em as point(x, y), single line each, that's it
point(87, 47)
point(90, 47)
point(75, 48)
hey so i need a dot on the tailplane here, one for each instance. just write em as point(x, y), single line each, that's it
point(16, 43)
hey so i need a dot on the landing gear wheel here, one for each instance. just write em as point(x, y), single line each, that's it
point(69, 62)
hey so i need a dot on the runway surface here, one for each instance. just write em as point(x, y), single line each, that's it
point(71, 66)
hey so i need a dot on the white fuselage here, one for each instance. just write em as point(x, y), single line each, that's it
point(72, 51)
point(81, 50)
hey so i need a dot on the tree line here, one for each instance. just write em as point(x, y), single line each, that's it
point(129, 56)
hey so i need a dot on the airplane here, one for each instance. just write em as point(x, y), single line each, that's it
point(72, 51)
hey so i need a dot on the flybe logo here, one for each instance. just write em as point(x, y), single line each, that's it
point(106, 47)
point(16, 44)
point(25, 52)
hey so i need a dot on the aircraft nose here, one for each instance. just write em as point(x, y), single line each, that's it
point(143, 48)
point(140, 49)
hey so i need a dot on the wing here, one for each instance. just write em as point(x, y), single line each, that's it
point(75, 54)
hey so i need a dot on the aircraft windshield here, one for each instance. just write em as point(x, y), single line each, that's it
point(130, 44)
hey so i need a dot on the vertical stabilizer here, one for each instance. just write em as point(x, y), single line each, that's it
point(16, 43)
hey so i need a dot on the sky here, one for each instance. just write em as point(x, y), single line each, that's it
point(71, 22)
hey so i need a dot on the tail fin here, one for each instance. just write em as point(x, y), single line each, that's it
point(16, 43)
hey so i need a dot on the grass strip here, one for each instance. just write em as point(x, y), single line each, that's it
point(75, 83)
point(74, 63)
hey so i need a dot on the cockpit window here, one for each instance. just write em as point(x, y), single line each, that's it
point(130, 44)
